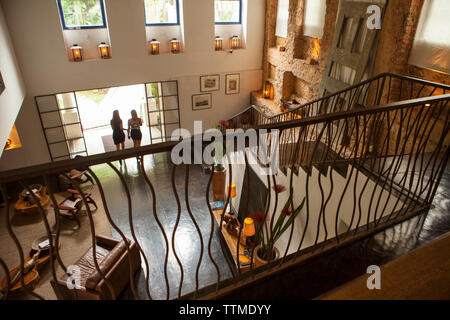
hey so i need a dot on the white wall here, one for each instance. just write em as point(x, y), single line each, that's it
point(37, 36)
point(12, 97)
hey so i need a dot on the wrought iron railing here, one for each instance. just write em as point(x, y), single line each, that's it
point(363, 159)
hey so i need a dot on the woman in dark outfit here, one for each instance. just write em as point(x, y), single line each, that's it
point(134, 129)
point(118, 134)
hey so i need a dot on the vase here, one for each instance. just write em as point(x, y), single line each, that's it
point(259, 261)
point(218, 185)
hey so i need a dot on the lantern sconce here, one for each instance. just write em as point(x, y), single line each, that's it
point(154, 46)
point(218, 43)
point(174, 45)
point(268, 90)
point(235, 42)
point(314, 59)
point(77, 53)
point(105, 52)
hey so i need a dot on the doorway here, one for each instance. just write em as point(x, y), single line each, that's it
point(78, 122)
point(96, 107)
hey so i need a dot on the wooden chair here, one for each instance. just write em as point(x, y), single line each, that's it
point(81, 177)
point(70, 207)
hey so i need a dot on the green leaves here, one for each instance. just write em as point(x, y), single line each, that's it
point(283, 222)
point(82, 13)
point(289, 222)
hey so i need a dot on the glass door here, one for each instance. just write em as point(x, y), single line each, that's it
point(163, 109)
point(61, 124)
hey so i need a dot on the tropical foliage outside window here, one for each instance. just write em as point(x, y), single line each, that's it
point(161, 12)
point(228, 11)
point(82, 14)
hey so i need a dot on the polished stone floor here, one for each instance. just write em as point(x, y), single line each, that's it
point(187, 241)
point(318, 275)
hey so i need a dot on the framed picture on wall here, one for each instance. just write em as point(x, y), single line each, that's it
point(2, 84)
point(201, 101)
point(232, 83)
point(210, 83)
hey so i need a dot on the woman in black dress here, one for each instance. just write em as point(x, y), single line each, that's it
point(118, 134)
point(134, 129)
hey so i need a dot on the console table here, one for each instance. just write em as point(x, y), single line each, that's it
point(231, 242)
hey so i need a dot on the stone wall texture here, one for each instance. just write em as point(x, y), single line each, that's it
point(296, 72)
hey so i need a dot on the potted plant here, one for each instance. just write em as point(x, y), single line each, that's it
point(266, 251)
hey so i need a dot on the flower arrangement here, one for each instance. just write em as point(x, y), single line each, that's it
point(223, 125)
point(269, 235)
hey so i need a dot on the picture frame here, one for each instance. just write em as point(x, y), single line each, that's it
point(2, 84)
point(201, 101)
point(210, 83)
point(232, 83)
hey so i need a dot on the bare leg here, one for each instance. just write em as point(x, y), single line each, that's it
point(118, 148)
point(137, 145)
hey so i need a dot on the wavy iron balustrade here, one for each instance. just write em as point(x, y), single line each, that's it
point(391, 133)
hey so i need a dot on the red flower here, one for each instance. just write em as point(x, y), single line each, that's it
point(286, 210)
point(224, 123)
point(258, 216)
point(279, 188)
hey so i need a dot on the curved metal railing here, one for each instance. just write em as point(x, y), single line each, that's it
point(362, 159)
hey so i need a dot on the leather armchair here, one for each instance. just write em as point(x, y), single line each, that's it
point(113, 261)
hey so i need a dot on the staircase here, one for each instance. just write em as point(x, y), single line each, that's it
point(322, 159)
point(300, 148)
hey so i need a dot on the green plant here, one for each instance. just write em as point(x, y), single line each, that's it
point(269, 235)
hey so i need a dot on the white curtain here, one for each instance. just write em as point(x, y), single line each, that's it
point(282, 18)
point(431, 47)
point(314, 18)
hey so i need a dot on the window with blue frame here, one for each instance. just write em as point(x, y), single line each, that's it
point(228, 11)
point(82, 14)
point(161, 12)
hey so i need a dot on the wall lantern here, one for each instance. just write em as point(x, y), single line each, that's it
point(268, 90)
point(235, 42)
point(218, 43)
point(174, 45)
point(77, 53)
point(105, 52)
point(154, 46)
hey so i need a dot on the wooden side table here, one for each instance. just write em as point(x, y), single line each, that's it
point(26, 207)
point(231, 242)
